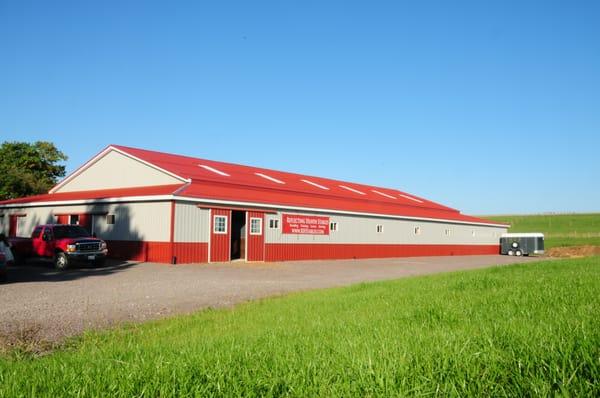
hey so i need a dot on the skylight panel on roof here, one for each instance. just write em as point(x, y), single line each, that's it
point(219, 172)
point(269, 178)
point(352, 190)
point(411, 198)
point(383, 194)
point(314, 184)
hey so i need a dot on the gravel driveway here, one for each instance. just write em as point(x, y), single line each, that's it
point(53, 305)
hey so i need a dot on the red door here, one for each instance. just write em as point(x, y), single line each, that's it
point(255, 236)
point(45, 247)
point(12, 226)
point(85, 221)
point(220, 235)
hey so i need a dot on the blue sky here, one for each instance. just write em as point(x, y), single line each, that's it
point(489, 107)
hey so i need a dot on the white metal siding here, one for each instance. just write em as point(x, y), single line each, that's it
point(357, 229)
point(115, 170)
point(192, 224)
point(147, 221)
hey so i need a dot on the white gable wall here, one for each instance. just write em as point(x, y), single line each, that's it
point(116, 170)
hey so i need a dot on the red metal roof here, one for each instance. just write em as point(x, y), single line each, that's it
point(237, 183)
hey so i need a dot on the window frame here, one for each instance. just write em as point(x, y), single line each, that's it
point(417, 230)
point(274, 223)
point(260, 222)
point(224, 232)
point(379, 228)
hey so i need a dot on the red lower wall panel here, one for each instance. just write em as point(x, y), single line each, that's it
point(158, 252)
point(191, 252)
point(295, 251)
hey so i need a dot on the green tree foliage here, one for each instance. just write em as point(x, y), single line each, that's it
point(29, 169)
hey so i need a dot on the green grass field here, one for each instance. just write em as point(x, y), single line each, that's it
point(517, 330)
point(559, 229)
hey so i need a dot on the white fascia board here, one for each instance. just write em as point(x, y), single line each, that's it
point(99, 156)
point(157, 198)
point(523, 235)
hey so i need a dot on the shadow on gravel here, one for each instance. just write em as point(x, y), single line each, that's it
point(42, 271)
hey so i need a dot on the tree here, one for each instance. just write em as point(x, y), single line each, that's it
point(29, 169)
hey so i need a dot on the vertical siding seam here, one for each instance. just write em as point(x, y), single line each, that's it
point(172, 232)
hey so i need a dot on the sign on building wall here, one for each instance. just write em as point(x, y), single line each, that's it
point(306, 225)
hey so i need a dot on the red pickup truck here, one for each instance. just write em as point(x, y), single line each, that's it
point(64, 244)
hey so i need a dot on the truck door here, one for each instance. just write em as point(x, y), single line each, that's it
point(36, 241)
point(47, 244)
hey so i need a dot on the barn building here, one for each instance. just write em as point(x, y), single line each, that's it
point(153, 206)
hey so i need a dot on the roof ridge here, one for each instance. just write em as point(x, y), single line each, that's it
point(426, 203)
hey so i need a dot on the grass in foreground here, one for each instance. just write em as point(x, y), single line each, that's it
point(559, 229)
point(519, 330)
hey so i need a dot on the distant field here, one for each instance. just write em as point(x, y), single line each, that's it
point(559, 230)
point(523, 330)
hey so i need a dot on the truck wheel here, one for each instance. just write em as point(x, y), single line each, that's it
point(511, 253)
point(61, 261)
point(518, 253)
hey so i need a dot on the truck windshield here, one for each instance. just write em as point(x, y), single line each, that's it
point(69, 231)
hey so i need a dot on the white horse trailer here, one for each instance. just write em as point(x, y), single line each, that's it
point(522, 244)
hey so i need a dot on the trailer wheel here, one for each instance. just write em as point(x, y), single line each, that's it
point(518, 253)
point(511, 253)
point(515, 244)
point(61, 261)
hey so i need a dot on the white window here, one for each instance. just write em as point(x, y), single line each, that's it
point(351, 189)
point(383, 194)
point(379, 228)
point(273, 223)
point(411, 198)
point(255, 226)
point(333, 226)
point(314, 184)
point(447, 232)
point(417, 230)
point(473, 233)
point(212, 169)
point(220, 225)
point(266, 177)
